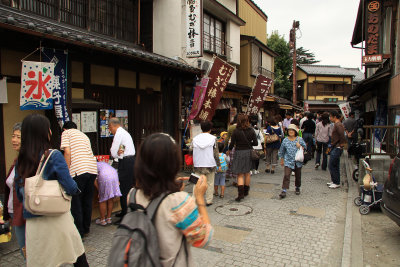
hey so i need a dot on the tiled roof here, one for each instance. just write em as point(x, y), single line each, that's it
point(358, 75)
point(12, 17)
point(325, 70)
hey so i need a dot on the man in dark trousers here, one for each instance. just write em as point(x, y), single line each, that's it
point(83, 168)
point(338, 141)
point(123, 149)
point(309, 131)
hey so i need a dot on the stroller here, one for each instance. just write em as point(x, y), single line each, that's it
point(370, 192)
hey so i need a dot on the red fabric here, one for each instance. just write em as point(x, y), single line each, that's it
point(188, 160)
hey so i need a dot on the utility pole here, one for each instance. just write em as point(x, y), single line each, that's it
point(292, 42)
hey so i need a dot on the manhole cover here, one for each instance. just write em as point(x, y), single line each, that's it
point(234, 210)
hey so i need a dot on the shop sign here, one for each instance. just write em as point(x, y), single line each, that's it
point(306, 106)
point(194, 22)
point(198, 97)
point(345, 109)
point(261, 88)
point(372, 28)
point(37, 82)
point(59, 58)
point(219, 76)
point(89, 121)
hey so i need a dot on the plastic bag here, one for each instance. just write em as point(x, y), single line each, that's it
point(299, 155)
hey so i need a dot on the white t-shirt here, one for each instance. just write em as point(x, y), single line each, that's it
point(10, 183)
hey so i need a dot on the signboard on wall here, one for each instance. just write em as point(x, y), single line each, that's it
point(105, 115)
point(372, 32)
point(37, 81)
point(194, 23)
point(76, 118)
point(89, 121)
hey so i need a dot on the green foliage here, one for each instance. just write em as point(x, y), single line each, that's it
point(284, 63)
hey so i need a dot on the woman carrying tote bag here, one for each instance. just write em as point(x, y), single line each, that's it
point(50, 240)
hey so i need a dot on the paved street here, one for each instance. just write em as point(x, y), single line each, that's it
point(305, 230)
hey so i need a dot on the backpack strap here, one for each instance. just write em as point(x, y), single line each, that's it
point(152, 208)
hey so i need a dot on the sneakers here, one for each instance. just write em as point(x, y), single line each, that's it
point(251, 172)
point(334, 186)
point(101, 222)
point(297, 190)
point(292, 173)
point(282, 194)
point(317, 166)
point(328, 184)
point(256, 172)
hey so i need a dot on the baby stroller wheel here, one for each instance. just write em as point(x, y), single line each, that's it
point(355, 175)
point(358, 201)
point(364, 209)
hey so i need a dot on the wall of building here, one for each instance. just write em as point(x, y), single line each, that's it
point(11, 65)
point(233, 39)
point(167, 28)
point(312, 79)
point(245, 64)
point(229, 4)
point(394, 95)
point(255, 24)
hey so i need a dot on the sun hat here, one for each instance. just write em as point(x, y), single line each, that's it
point(223, 133)
point(293, 127)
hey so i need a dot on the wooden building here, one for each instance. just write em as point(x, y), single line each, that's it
point(108, 66)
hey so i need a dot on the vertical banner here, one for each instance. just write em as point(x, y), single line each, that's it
point(372, 34)
point(59, 58)
point(380, 120)
point(37, 80)
point(345, 109)
point(306, 106)
point(261, 88)
point(194, 22)
point(219, 76)
point(198, 98)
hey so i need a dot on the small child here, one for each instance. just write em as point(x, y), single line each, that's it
point(221, 171)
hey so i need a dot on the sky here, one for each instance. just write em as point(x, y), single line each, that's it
point(326, 27)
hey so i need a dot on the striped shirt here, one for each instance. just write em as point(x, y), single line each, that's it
point(82, 158)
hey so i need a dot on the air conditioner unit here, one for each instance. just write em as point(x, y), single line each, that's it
point(204, 64)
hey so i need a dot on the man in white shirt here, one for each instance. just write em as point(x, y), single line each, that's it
point(287, 120)
point(303, 119)
point(123, 149)
point(206, 157)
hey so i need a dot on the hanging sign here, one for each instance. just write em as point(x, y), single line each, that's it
point(345, 109)
point(59, 58)
point(194, 47)
point(37, 81)
point(372, 28)
point(219, 76)
point(198, 97)
point(261, 88)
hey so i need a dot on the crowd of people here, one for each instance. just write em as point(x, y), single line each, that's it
point(236, 155)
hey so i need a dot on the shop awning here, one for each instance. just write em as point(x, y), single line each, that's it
point(368, 84)
point(85, 104)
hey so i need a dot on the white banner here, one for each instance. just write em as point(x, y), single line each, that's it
point(37, 82)
point(345, 109)
point(194, 34)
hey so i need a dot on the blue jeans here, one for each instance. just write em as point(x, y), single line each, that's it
point(321, 149)
point(308, 138)
point(334, 165)
point(20, 234)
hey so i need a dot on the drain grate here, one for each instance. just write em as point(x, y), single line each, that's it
point(234, 210)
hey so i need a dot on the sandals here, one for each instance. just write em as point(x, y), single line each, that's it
point(109, 220)
point(215, 194)
point(101, 222)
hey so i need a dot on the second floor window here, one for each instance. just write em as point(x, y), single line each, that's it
point(214, 35)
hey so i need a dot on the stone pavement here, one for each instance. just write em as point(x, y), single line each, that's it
point(305, 230)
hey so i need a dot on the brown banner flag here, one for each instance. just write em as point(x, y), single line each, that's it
point(219, 76)
point(261, 89)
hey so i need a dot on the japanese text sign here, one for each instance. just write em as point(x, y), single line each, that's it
point(37, 82)
point(345, 109)
point(372, 28)
point(198, 98)
point(59, 58)
point(261, 88)
point(219, 76)
point(194, 31)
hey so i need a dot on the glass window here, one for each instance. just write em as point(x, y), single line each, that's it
point(214, 35)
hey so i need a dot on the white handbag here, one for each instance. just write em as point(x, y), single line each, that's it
point(45, 197)
point(299, 155)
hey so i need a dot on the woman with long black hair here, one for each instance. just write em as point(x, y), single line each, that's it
point(50, 240)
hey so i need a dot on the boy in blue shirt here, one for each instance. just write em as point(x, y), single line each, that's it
point(221, 171)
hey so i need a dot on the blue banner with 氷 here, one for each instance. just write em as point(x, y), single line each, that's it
point(60, 59)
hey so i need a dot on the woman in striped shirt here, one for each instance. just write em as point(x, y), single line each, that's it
point(179, 213)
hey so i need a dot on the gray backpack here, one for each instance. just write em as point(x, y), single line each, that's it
point(135, 243)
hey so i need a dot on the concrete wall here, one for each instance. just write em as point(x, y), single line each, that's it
point(256, 25)
point(168, 27)
point(229, 4)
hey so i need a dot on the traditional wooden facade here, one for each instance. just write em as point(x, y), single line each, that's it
point(108, 67)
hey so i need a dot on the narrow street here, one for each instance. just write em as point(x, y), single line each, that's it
point(305, 230)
